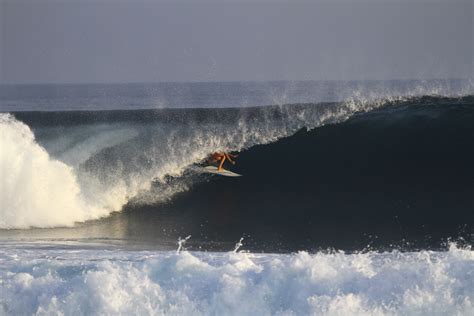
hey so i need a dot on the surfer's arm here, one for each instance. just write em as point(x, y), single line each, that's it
point(228, 156)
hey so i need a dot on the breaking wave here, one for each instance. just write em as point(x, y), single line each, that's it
point(88, 164)
point(59, 168)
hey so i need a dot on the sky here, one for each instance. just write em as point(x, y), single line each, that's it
point(105, 41)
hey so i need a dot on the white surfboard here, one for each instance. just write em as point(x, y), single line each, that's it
point(223, 172)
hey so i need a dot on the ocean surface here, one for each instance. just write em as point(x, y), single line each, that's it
point(356, 198)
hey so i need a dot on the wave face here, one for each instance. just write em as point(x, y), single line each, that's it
point(98, 282)
point(401, 173)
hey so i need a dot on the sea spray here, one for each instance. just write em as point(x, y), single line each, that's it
point(238, 245)
point(181, 243)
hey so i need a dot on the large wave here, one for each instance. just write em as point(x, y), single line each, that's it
point(85, 165)
point(88, 164)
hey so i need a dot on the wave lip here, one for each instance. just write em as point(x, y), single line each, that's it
point(120, 282)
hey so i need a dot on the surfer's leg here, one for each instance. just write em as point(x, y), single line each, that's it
point(222, 163)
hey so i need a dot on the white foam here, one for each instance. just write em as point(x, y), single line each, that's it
point(35, 189)
point(98, 282)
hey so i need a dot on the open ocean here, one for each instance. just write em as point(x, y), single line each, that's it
point(356, 198)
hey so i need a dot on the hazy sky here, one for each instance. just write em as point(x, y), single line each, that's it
point(46, 41)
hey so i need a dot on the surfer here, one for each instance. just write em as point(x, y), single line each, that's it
point(220, 157)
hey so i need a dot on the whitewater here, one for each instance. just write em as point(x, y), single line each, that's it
point(69, 280)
